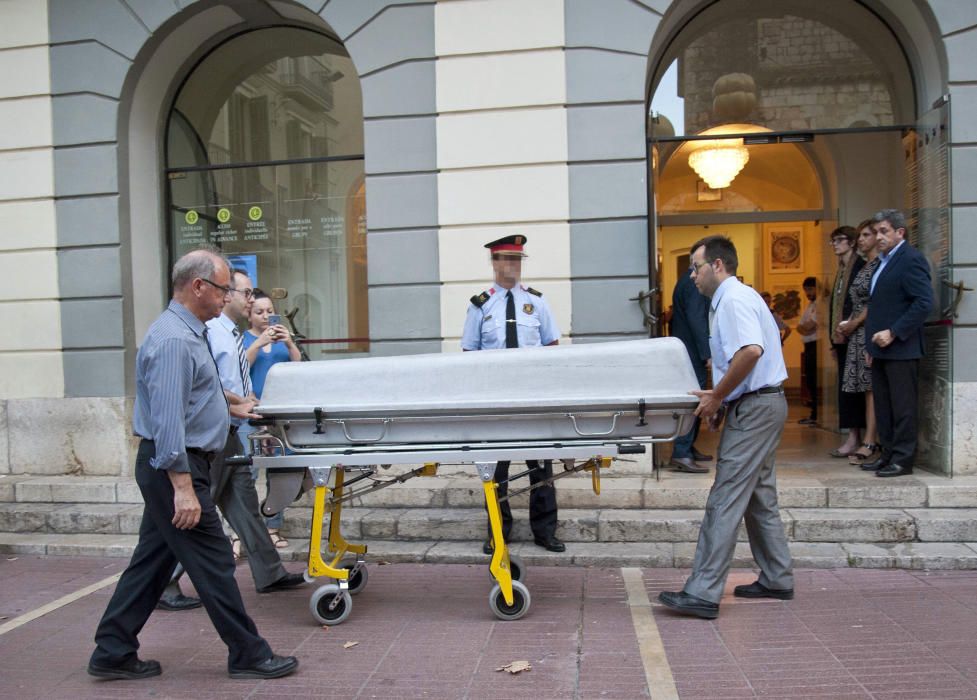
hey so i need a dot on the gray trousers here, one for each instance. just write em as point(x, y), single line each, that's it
point(745, 489)
point(235, 495)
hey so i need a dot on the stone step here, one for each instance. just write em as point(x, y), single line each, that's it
point(608, 525)
point(836, 487)
point(807, 555)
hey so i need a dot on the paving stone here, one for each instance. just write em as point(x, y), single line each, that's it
point(818, 555)
point(802, 495)
point(617, 492)
point(649, 526)
point(690, 495)
point(25, 517)
point(914, 555)
point(93, 546)
point(945, 524)
point(684, 555)
point(650, 554)
point(128, 492)
point(952, 494)
point(36, 490)
point(8, 482)
point(92, 518)
point(852, 525)
point(298, 522)
point(130, 518)
point(855, 493)
point(24, 543)
point(91, 489)
point(420, 492)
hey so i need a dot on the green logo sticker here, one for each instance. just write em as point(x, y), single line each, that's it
point(191, 217)
point(254, 213)
point(224, 215)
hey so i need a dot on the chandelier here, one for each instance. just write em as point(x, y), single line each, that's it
point(718, 162)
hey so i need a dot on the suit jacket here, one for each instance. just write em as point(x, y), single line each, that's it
point(900, 302)
point(690, 319)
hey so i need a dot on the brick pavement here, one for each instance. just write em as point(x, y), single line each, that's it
point(425, 631)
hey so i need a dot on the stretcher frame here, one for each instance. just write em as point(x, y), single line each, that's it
point(325, 470)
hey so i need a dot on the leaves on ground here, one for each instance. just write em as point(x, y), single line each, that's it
point(516, 666)
point(349, 645)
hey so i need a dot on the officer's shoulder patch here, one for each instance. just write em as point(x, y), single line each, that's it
point(480, 299)
point(534, 291)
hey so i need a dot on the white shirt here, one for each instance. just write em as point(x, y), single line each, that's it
point(739, 317)
point(223, 346)
point(810, 315)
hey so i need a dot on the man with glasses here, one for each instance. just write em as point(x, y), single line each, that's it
point(232, 487)
point(182, 416)
point(690, 324)
point(747, 377)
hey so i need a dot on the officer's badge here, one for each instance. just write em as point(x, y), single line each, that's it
point(528, 309)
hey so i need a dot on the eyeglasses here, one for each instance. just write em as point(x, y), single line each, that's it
point(226, 290)
point(694, 267)
point(248, 293)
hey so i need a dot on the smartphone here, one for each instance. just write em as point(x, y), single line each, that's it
point(274, 319)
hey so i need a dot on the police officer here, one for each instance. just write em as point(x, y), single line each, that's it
point(510, 315)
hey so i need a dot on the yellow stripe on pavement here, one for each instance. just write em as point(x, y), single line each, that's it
point(658, 674)
point(59, 603)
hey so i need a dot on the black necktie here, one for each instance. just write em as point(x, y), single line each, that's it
point(511, 338)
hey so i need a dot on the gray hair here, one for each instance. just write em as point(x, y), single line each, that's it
point(896, 219)
point(200, 262)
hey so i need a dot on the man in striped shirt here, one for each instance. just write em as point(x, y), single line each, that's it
point(183, 419)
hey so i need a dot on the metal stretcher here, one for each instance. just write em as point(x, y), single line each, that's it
point(331, 426)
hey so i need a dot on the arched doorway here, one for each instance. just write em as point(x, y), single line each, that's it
point(264, 159)
point(817, 106)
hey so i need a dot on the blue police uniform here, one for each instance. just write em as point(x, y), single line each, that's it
point(490, 315)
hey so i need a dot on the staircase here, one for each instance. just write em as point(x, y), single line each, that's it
point(834, 515)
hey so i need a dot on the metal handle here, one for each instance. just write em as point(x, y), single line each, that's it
point(349, 437)
point(573, 419)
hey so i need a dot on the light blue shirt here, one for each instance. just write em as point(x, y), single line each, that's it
point(223, 346)
point(883, 261)
point(739, 317)
point(485, 325)
point(179, 399)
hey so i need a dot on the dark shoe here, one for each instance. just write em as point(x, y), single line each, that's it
point(682, 602)
point(894, 470)
point(808, 421)
point(133, 669)
point(284, 583)
point(176, 602)
point(837, 453)
point(275, 667)
point(700, 456)
point(758, 590)
point(487, 547)
point(687, 465)
point(550, 543)
point(874, 465)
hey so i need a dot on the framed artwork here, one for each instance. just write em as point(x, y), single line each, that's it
point(784, 251)
point(704, 193)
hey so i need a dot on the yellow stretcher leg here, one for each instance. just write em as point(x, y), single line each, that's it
point(337, 545)
point(499, 565)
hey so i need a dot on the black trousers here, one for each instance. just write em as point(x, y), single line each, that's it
point(851, 407)
point(204, 551)
point(895, 387)
point(811, 374)
point(542, 500)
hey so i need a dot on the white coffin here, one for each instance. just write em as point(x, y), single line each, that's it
point(609, 391)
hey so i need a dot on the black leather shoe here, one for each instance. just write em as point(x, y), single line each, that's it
point(894, 470)
point(758, 590)
point(284, 583)
point(550, 543)
point(176, 602)
point(275, 667)
point(682, 602)
point(487, 547)
point(874, 465)
point(133, 669)
point(687, 465)
point(700, 456)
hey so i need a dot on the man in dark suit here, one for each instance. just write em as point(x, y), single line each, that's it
point(690, 324)
point(901, 298)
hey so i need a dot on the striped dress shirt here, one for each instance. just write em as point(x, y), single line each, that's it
point(179, 399)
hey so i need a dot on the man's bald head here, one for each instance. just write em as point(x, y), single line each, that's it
point(202, 263)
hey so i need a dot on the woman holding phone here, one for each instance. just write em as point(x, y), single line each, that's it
point(266, 343)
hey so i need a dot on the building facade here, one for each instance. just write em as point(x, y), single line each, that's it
point(356, 154)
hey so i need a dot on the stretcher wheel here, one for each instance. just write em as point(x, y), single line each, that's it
point(357, 581)
point(520, 602)
point(329, 605)
point(517, 570)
